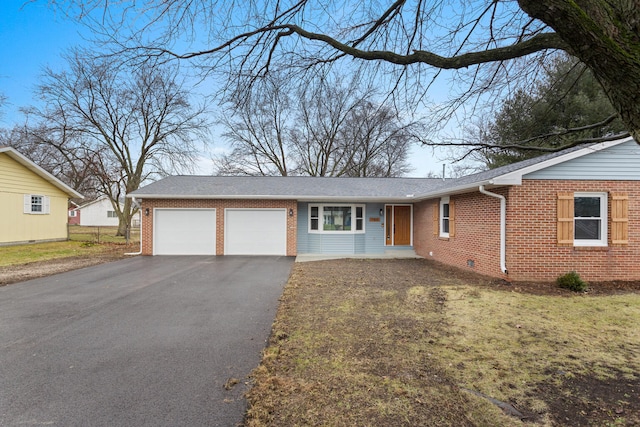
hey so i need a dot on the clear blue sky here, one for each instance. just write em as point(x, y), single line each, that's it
point(33, 36)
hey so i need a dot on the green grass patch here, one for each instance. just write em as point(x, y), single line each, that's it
point(23, 254)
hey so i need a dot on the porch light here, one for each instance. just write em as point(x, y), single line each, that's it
point(290, 211)
point(146, 212)
point(381, 212)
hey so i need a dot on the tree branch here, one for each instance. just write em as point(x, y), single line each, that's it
point(536, 43)
point(520, 146)
point(563, 132)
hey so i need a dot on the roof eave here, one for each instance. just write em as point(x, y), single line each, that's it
point(305, 198)
point(24, 161)
point(516, 176)
point(467, 188)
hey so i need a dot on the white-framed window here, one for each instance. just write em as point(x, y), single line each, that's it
point(590, 219)
point(444, 216)
point(36, 204)
point(336, 218)
point(72, 214)
point(112, 214)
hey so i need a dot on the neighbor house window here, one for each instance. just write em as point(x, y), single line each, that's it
point(112, 214)
point(72, 214)
point(444, 216)
point(36, 204)
point(590, 219)
point(336, 218)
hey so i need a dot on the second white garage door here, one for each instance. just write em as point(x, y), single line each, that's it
point(255, 232)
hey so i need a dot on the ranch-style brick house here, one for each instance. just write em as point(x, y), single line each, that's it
point(574, 210)
point(33, 203)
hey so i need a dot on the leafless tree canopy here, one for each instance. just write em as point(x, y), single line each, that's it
point(329, 128)
point(120, 125)
point(490, 44)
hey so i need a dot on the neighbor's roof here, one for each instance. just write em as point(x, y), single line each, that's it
point(15, 155)
point(99, 199)
point(348, 189)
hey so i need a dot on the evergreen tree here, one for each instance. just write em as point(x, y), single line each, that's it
point(562, 109)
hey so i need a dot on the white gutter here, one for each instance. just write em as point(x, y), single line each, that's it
point(140, 251)
point(503, 226)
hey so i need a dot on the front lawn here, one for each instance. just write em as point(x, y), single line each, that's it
point(24, 262)
point(24, 254)
point(411, 343)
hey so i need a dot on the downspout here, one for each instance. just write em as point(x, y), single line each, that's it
point(503, 226)
point(140, 251)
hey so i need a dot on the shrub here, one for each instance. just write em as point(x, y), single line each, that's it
point(572, 281)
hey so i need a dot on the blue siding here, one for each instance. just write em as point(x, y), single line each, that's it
point(621, 162)
point(369, 242)
point(302, 237)
point(359, 244)
point(374, 238)
point(337, 243)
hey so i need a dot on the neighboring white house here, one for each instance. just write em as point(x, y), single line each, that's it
point(100, 213)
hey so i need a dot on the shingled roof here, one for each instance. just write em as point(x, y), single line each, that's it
point(306, 188)
point(290, 187)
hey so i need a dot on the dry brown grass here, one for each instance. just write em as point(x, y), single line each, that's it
point(399, 342)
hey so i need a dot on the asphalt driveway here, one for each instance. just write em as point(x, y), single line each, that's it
point(144, 341)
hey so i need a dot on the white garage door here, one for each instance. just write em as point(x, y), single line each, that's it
point(184, 232)
point(255, 232)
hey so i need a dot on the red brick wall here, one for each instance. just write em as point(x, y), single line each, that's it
point(74, 220)
point(533, 253)
point(532, 250)
point(477, 231)
point(220, 205)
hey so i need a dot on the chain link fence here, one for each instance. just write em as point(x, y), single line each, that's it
point(102, 234)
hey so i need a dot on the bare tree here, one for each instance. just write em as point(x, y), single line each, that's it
point(124, 125)
point(324, 129)
point(378, 141)
point(257, 129)
point(489, 44)
point(3, 101)
point(324, 111)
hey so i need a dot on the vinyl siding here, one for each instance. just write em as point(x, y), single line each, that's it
point(370, 242)
point(616, 163)
point(16, 226)
point(95, 214)
point(374, 238)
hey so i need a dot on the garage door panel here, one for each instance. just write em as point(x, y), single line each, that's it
point(255, 232)
point(184, 232)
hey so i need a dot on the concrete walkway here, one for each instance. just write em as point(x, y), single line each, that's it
point(389, 254)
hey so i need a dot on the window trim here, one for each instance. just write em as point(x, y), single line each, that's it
point(45, 204)
point(444, 201)
point(354, 218)
point(604, 220)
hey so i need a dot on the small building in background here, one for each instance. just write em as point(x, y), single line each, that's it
point(99, 213)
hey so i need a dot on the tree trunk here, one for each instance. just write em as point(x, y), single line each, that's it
point(604, 34)
point(125, 218)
